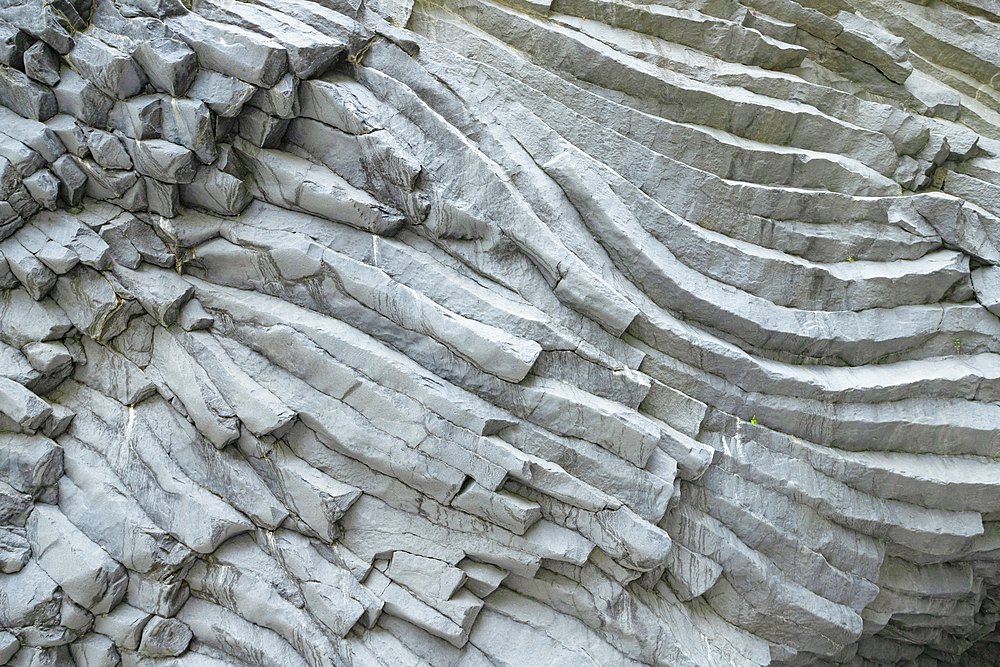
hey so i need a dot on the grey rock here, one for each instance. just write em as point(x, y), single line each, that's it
point(316, 499)
point(340, 102)
point(309, 51)
point(571, 333)
point(107, 150)
point(868, 41)
point(260, 129)
point(138, 118)
point(68, 232)
point(96, 305)
point(15, 508)
point(162, 160)
point(400, 603)
point(482, 578)
point(231, 50)
point(222, 629)
point(164, 637)
point(332, 592)
point(258, 409)
point(123, 527)
point(26, 320)
point(280, 100)
point(504, 509)
point(216, 191)
point(25, 160)
point(41, 63)
point(48, 358)
point(42, 20)
point(144, 239)
point(237, 586)
point(210, 412)
point(75, 617)
point(123, 625)
point(225, 95)
point(43, 186)
point(58, 421)
point(162, 198)
point(30, 598)
point(42, 657)
point(192, 317)
point(426, 577)
point(986, 281)
point(33, 134)
point(374, 162)
point(152, 483)
point(37, 278)
point(81, 568)
point(72, 180)
point(81, 99)
point(9, 644)
point(15, 550)
point(13, 44)
point(161, 293)
point(136, 342)
point(111, 70)
point(189, 123)
point(94, 650)
point(163, 598)
point(113, 374)
point(169, 64)
point(336, 20)
point(292, 182)
point(941, 102)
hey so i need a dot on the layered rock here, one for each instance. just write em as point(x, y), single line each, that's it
point(479, 333)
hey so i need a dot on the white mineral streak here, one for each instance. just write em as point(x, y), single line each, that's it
point(489, 333)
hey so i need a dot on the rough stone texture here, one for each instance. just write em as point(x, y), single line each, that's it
point(584, 332)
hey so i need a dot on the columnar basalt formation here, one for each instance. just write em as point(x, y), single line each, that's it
point(475, 333)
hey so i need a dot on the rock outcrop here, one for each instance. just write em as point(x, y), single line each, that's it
point(467, 332)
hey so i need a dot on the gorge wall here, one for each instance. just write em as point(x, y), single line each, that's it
point(469, 334)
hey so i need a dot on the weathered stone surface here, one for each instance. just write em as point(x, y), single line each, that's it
point(41, 63)
point(15, 550)
point(571, 333)
point(33, 134)
point(189, 123)
point(108, 151)
point(26, 97)
point(37, 278)
point(223, 94)
point(163, 160)
point(161, 293)
point(81, 99)
point(310, 52)
point(111, 70)
point(13, 44)
point(9, 644)
point(292, 182)
point(42, 20)
point(123, 625)
point(164, 637)
point(138, 118)
point(94, 303)
point(169, 64)
point(43, 186)
point(94, 650)
point(72, 180)
point(232, 50)
point(216, 191)
point(81, 568)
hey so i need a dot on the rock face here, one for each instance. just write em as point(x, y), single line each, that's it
point(583, 332)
